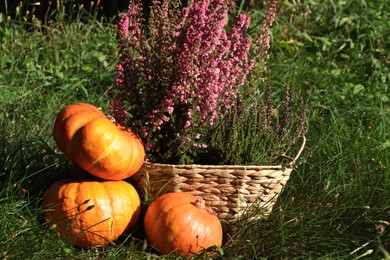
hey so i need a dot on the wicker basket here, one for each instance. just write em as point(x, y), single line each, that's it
point(229, 190)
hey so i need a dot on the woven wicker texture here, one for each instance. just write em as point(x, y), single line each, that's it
point(228, 190)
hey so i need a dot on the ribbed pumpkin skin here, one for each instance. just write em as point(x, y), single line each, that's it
point(92, 213)
point(173, 223)
point(99, 146)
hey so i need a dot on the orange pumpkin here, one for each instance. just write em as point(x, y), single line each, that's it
point(180, 222)
point(98, 145)
point(92, 213)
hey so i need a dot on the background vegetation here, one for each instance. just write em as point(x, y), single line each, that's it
point(337, 202)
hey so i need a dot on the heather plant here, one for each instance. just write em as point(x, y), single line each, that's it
point(258, 134)
point(183, 69)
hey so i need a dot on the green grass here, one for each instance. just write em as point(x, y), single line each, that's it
point(336, 204)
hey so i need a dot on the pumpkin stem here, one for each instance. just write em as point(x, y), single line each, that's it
point(199, 203)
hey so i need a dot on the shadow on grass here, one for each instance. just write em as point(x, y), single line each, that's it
point(30, 165)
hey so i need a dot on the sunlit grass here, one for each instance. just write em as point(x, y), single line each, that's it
point(336, 204)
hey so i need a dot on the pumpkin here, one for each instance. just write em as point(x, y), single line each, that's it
point(99, 146)
point(91, 213)
point(181, 223)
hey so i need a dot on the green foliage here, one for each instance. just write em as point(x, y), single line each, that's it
point(336, 203)
point(43, 69)
point(349, 43)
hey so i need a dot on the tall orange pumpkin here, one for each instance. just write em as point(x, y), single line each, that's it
point(92, 213)
point(98, 145)
point(181, 223)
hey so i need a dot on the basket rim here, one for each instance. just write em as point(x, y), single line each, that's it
point(206, 166)
point(241, 167)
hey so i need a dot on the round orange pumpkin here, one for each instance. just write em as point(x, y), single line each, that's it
point(181, 223)
point(92, 213)
point(98, 145)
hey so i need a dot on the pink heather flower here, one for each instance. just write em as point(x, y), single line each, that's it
point(201, 146)
point(170, 110)
point(181, 70)
point(186, 140)
point(123, 27)
point(148, 145)
point(165, 119)
point(119, 111)
point(187, 125)
point(144, 131)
